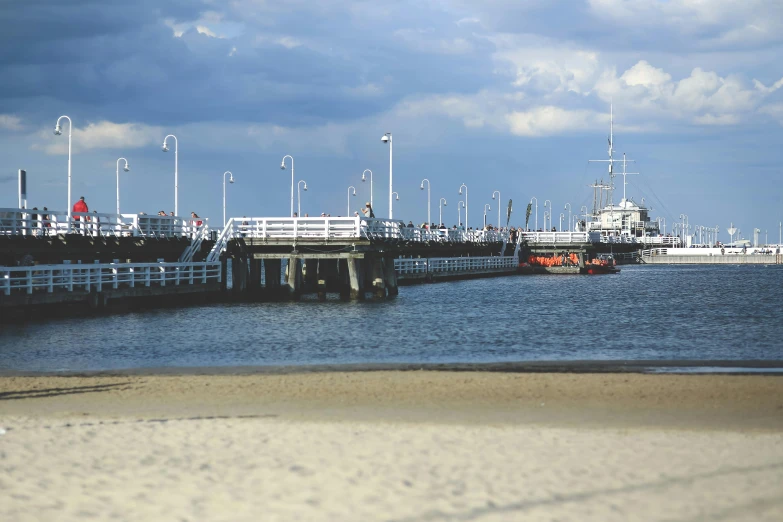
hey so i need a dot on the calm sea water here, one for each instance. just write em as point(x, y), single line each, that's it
point(645, 312)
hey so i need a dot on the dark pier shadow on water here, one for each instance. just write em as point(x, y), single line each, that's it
point(55, 392)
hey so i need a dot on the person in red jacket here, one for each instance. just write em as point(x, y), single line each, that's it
point(80, 206)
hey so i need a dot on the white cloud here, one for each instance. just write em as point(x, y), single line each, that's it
point(426, 41)
point(288, 42)
point(703, 97)
point(366, 90)
point(9, 122)
point(542, 65)
point(731, 21)
point(101, 135)
point(203, 29)
point(548, 120)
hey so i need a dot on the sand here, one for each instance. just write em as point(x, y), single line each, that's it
point(392, 446)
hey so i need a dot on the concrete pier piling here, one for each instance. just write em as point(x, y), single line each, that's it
point(356, 278)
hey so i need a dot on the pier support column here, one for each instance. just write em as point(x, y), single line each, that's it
point(254, 282)
point(239, 273)
point(294, 278)
point(356, 278)
point(272, 268)
point(320, 279)
point(376, 274)
point(390, 276)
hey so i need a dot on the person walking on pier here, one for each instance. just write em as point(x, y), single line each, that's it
point(81, 206)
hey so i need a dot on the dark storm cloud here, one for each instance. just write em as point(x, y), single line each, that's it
point(122, 62)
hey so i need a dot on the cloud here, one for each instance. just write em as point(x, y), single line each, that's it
point(101, 135)
point(703, 97)
point(549, 120)
point(10, 122)
point(425, 40)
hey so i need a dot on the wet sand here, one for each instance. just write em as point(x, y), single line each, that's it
point(391, 445)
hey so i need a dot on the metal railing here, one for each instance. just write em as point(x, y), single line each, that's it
point(439, 265)
point(558, 237)
point(47, 278)
point(336, 228)
point(25, 222)
point(645, 240)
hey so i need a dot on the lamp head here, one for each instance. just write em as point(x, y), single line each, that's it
point(58, 130)
point(231, 178)
point(460, 191)
point(397, 198)
point(305, 186)
point(127, 168)
point(165, 147)
point(363, 178)
point(385, 138)
point(282, 165)
point(422, 186)
point(445, 204)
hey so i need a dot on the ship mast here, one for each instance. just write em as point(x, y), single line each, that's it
point(610, 187)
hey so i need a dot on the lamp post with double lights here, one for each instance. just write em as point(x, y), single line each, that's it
point(165, 148)
point(282, 166)
point(429, 199)
point(299, 196)
point(466, 203)
point(126, 169)
point(57, 132)
point(387, 138)
point(230, 180)
point(363, 179)
point(441, 204)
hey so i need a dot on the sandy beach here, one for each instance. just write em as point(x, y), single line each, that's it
point(392, 445)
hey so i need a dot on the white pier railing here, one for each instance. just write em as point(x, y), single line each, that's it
point(440, 265)
point(557, 237)
point(341, 228)
point(26, 222)
point(88, 277)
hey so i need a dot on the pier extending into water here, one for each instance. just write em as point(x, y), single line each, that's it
point(51, 258)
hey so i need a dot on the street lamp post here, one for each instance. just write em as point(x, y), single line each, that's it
point(429, 199)
point(536, 222)
point(568, 206)
point(486, 207)
point(583, 210)
point(560, 226)
point(126, 169)
point(363, 179)
point(460, 206)
point(282, 166)
point(546, 214)
point(493, 197)
point(441, 204)
point(349, 199)
point(165, 148)
point(548, 203)
point(230, 180)
point(58, 131)
point(466, 203)
point(299, 196)
point(387, 138)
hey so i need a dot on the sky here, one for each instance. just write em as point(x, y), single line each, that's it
point(500, 95)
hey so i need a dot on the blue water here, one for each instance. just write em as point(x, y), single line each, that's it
point(645, 312)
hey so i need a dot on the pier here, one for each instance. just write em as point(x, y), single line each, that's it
point(97, 259)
